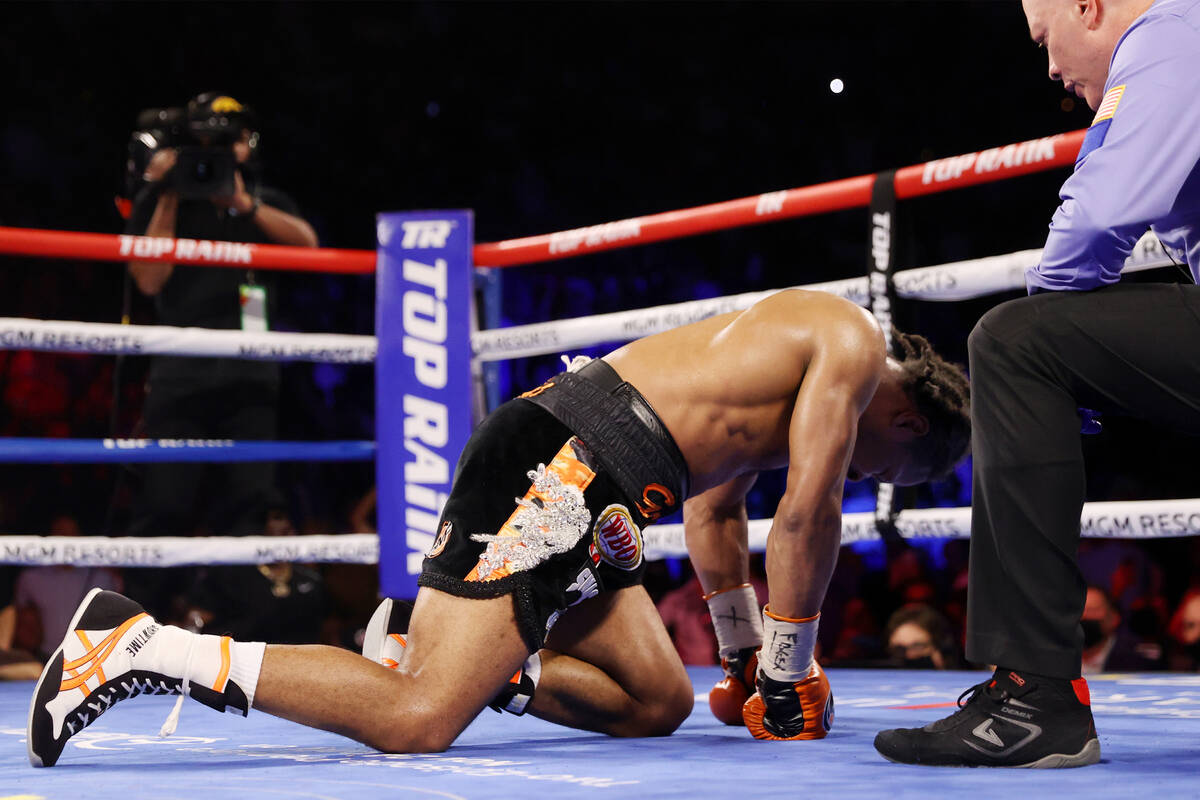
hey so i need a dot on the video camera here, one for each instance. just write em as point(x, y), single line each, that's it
point(156, 128)
point(203, 172)
point(203, 134)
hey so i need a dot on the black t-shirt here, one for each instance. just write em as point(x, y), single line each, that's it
point(209, 297)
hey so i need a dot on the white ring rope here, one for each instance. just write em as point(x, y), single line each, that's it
point(175, 551)
point(1145, 519)
point(112, 339)
point(959, 280)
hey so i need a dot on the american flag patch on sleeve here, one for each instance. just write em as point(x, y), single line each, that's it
point(1108, 107)
point(1099, 127)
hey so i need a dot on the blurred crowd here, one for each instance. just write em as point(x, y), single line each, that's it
point(904, 606)
point(893, 605)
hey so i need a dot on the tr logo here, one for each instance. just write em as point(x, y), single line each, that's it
point(425, 234)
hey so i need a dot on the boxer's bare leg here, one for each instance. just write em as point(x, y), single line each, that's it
point(461, 653)
point(609, 666)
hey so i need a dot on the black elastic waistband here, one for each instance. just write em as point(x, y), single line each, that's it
point(623, 431)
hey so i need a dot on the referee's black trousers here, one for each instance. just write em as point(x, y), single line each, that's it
point(1130, 350)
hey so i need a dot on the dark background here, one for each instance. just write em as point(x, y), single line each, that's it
point(540, 117)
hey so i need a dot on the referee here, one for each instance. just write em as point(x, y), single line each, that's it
point(1081, 340)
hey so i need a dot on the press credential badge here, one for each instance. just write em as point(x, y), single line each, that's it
point(254, 307)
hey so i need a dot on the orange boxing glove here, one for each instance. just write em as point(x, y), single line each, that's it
point(731, 692)
point(790, 710)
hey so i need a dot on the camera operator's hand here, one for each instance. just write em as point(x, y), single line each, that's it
point(160, 164)
point(241, 201)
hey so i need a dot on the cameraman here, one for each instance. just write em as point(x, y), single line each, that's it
point(265, 215)
point(209, 189)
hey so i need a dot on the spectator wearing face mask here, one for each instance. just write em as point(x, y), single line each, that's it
point(919, 637)
point(1107, 645)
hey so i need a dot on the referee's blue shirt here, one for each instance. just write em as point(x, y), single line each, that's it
point(1139, 166)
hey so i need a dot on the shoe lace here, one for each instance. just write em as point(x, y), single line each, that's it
point(971, 695)
point(106, 697)
point(989, 690)
point(172, 720)
point(973, 690)
point(185, 689)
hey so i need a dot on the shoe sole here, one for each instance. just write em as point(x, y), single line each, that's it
point(1090, 754)
point(34, 758)
point(377, 629)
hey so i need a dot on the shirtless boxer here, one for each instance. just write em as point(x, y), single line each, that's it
point(800, 380)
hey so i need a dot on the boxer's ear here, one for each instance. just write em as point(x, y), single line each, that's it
point(912, 423)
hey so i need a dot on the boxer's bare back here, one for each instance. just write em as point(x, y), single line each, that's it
point(727, 387)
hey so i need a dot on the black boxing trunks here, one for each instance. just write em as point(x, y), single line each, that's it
point(588, 464)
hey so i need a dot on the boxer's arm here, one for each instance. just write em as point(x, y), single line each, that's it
point(715, 529)
point(792, 698)
point(805, 534)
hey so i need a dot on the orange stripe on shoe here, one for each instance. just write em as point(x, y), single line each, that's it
point(84, 639)
point(96, 656)
point(219, 684)
point(112, 637)
point(74, 672)
point(92, 668)
point(399, 638)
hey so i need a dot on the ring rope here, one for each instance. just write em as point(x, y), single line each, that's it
point(1143, 519)
point(114, 339)
point(178, 551)
point(27, 450)
point(959, 280)
point(946, 282)
point(938, 175)
point(122, 247)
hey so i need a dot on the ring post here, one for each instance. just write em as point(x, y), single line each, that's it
point(422, 381)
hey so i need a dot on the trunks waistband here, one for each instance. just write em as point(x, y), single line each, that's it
point(624, 433)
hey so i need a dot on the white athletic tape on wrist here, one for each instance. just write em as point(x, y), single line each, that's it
point(787, 651)
point(736, 619)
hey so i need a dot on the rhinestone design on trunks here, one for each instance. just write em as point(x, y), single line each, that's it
point(545, 527)
point(550, 519)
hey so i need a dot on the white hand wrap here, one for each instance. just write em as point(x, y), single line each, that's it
point(787, 651)
point(735, 618)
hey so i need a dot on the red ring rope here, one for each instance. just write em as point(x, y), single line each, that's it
point(939, 175)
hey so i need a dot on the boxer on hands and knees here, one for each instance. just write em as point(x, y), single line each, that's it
point(1081, 340)
point(802, 381)
point(547, 590)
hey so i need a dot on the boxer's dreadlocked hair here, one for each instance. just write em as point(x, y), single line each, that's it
point(941, 393)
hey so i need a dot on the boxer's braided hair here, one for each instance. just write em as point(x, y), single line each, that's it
point(941, 393)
